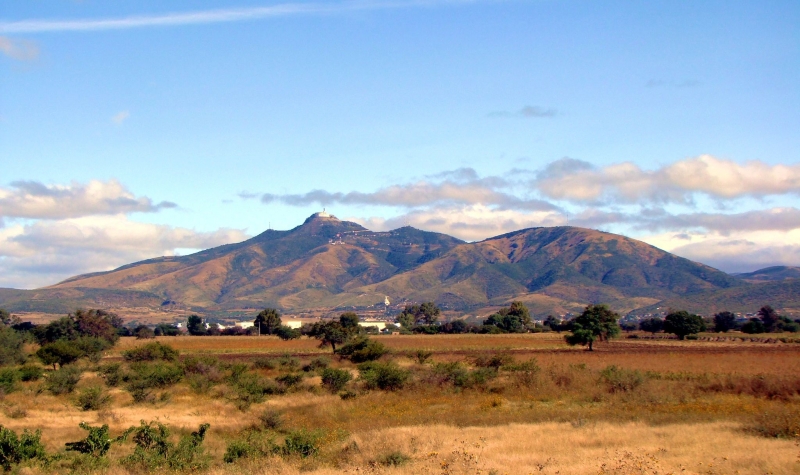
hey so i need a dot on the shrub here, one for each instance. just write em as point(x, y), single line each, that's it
point(288, 362)
point(145, 377)
point(8, 380)
point(111, 373)
point(252, 445)
point(154, 450)
point(781, 422)
point(493, 361)
point(96, 444)
point(320, 362)
point(63, 381)
point(526, 373)
point(422, 356)
point(394, 459)
point(271, 419)
point(334, 380)
point(93, 398)
point(362, 350)
point(264, 363)
point(620, 379)
point(385, 376)
point(253, 389)
point(288, 333)
point(151, 352)
point(17, 449)
point(30, 372)
point(290, 380)
point(302, 442)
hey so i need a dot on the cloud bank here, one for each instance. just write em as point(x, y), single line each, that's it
point(741, 228)
point(51, 232)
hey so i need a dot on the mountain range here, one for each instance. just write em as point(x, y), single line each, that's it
point(326, 263)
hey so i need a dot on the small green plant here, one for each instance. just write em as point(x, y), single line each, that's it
point(111, 373)
point(362, 350)
point(493, 361)
point(288, 362)
point(250, 445)
point(16, 449)
point(304, 443)
point(619, 380)
point(30, 372)
point(8, 380)
point(385, 376)
point(154, 449)
point(422, 356)
point(151, 352)
point(93, 398)
point(97, 441)
point(394, 459)
point(290, 380)
point(320, 362)
point(334, 380)
point(63, 380)
point(264, 363)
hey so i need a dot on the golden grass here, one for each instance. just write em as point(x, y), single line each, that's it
point(563, 421)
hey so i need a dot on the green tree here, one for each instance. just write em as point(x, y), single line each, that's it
point(754, 325)
point(682, 323)
point(349, 320)
point(11, 346)
point(406, 320)
point(268, 321)
point(287, 333)
point(426, 314)
point(652, 325)
point(59, 352)
point(329, 333)
point(597, 322)
point(724, 321)
point(194, 325)
point(769, 317)
point(6, 319)
point(97, 324)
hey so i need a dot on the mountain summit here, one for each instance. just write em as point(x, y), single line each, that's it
point(330, 263)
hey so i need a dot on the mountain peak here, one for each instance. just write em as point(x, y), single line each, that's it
point(323, 215)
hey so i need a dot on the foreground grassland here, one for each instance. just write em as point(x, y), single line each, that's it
point(470, 404)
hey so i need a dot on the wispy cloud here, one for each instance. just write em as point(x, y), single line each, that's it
point(527, 112)
point(120, 117)
point(213, 16)
point(21, 50)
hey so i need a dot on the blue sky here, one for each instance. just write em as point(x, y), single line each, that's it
point(130, 130)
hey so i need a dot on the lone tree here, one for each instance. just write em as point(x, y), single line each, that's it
point(769, 317)
point(597, 322)
point(267, 321)
point(724, 321)
point(349, 320)
point(683, 323)
point(330, 333)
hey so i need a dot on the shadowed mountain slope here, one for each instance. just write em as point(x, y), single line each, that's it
point(769, 274)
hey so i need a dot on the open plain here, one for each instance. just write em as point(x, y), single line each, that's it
point(469, 404)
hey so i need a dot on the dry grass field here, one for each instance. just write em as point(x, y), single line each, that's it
point(694, 407)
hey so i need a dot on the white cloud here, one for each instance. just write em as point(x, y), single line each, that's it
point(626, 182)
point(34, 200)
point(743, 251)
point(120, 117)
point(45, 252)
point(21, 50)
point(470, 223)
